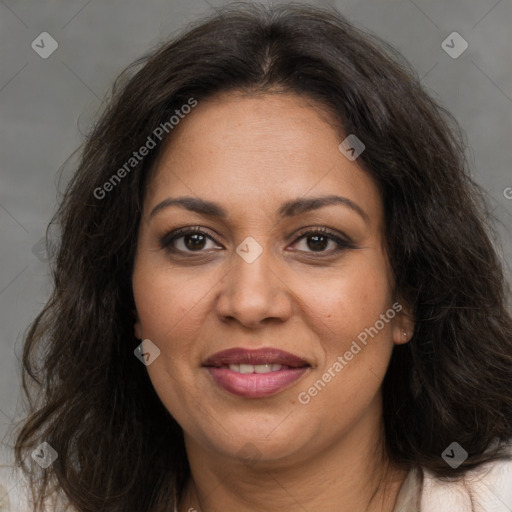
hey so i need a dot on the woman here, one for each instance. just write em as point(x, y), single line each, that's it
point(271, 292)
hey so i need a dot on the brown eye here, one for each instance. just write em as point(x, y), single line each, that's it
point(317, 241)
point(194, 242)
point(187, 240)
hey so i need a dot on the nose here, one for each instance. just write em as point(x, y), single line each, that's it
point(254, 294)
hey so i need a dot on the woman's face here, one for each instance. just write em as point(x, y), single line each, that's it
point(250, 280)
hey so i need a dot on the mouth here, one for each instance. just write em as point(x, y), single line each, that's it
point(255, 368)
point(255, 373)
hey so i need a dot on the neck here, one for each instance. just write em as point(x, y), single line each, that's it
point(349, 475)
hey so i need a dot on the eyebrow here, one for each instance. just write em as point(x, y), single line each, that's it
point(287, 209)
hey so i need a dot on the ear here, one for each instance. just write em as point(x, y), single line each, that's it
point(403, 324)
point(137, 328)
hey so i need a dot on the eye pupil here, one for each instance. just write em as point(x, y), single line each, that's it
point(197, 243)
point(316, 245)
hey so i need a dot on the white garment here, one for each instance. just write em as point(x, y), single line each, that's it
point(485, 489)
point(4, 500)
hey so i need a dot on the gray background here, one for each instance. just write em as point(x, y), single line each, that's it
point(47, 104)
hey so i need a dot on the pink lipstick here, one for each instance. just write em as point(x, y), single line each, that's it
point(255, 373)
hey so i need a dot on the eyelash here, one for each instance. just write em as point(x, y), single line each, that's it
point(167, 240)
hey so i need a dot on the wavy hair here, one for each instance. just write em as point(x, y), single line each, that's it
point(118, 447)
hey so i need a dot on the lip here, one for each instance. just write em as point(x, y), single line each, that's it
point(255, 356)
point(255, 385)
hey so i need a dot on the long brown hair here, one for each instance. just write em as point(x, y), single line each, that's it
point(118, 447)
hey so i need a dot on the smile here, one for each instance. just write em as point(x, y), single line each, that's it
point(255, 368)
point(255, 373)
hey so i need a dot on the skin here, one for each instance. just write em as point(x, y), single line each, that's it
point(251, 153)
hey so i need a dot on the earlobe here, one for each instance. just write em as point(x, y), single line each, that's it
point(403, 329)
point(405, 336)
point(402, 335)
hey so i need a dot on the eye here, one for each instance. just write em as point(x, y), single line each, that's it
point(318, 240)
point(195, 239)
point(192, 239)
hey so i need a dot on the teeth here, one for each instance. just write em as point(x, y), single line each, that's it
point(246, 368)
point(262, 368)
point(255, 368)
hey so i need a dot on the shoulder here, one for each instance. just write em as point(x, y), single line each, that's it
point(487, 488)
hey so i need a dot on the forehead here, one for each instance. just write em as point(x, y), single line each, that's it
point(257, 150)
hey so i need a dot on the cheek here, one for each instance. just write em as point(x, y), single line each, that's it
point(166, 300)
point(347, 315)
point(168, 307)
point(345, 304)
point(357, 347)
